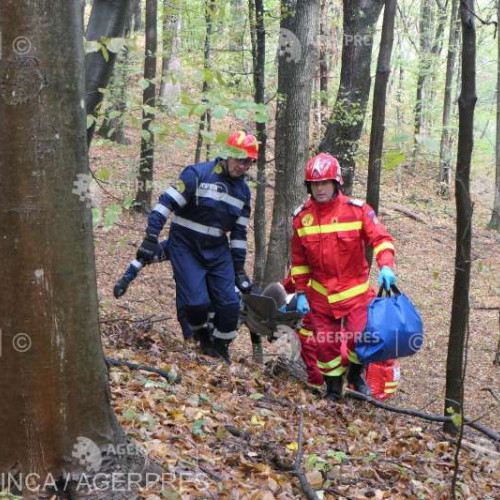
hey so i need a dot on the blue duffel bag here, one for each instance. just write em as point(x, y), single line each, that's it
point(394, 329)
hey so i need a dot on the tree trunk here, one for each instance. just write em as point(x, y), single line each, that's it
point(324, 46)
point(495, 215)
point(258, 39)
point(170, 49)
point(49, 328)
point(423, 69)
point(297, 64)
point(445, 147)
point(346, 123)
point(107, 19)
point(137, 15)
point(455, 371)
point(145, 177)
point(210, 6)
point(379, 103)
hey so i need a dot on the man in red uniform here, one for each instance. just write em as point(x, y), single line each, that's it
point(330, 270)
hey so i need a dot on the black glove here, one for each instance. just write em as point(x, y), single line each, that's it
point(148, 249)
point(243, 281)
point(121, 287)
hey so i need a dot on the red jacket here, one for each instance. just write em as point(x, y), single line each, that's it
point(328, 252)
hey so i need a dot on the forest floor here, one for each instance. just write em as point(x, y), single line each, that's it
point(351, 450)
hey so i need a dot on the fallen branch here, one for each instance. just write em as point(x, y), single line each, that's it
point(297, 466)
point(140, 320)
point(425, 416)
point(408, 213)
point(146, 368)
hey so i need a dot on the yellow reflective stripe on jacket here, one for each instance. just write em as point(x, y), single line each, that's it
point(337, 297)
point(306, 333)
point(383, 246)
point(300, 270)
point(330, 228)
point(353, 357)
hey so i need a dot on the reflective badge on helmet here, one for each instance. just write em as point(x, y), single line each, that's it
point(307, 220)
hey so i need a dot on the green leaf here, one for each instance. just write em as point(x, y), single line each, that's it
point(96, 218)
point(146, 135)
point(199, 110)
point(130, 414)
point(393, 159)
point(111, 215)
point(92, 46)
point(220, 112)
point(257, 395)
point(103, 174)
point(116, 44)
point(105, 53)
point(149, 109)
point(91, 119)
point(241, 114)
point(261, 118)
point(144, 83)
point(198, 428)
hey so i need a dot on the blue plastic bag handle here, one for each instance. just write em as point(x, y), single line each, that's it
point(394, 289)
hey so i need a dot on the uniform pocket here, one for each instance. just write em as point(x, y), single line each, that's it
point(350, 253)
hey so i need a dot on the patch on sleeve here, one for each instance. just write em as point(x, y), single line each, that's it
point(298, 210)
point(180, 186)
point(356, 203)
point(373, 216)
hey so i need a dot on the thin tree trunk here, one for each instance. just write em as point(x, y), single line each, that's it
point(460, 310)
point(145, 178)
point(423, 69)
point(323, 57)
point(297, 64)
point(210, 6)
point(137, 15)
point(258, 39)
point(170, 49)
point(54, 384)
point(495, 215)
point(379, 104)
point(346, 123)
point(445, 146)
point(108, 20)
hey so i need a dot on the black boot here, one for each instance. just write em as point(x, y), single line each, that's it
point(333, 388)
point(203, 335)
point(221, 349)
point(355, 376)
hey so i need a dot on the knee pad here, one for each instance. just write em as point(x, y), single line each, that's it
point(226, 319)
point(197, 316)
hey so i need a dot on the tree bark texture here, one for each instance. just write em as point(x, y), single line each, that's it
point(379, 104)
point(346, 123)
point(170, 87)
point(258, 39)
point(210, 6)
point(107, 19)
point(445, 146)
point(455, 373)
point(495, 214)
point(146, 166)
point(54, 388)
point(297, 66)
point(137, 15)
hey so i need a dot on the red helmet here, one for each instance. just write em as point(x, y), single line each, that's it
point(323, 167)
point(245, 142)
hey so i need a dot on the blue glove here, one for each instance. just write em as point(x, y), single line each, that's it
point(386, 277)
point(302, 304)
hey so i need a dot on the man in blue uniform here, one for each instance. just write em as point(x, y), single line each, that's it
point(209, 200)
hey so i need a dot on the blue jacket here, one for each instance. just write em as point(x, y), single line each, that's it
point(206, 204)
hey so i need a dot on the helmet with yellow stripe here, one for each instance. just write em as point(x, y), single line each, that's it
point(244, 142)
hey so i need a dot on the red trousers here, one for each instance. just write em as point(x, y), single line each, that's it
point(330, 334)
point(308, 351)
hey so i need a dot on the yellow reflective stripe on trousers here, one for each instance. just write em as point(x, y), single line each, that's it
point(337, 297)
point(300, 270)
point(390, 391)
point(383, 246)
point(306, 333)
point(353, 357)
point(332, 368)
point(330, 228)
point(391, 384)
